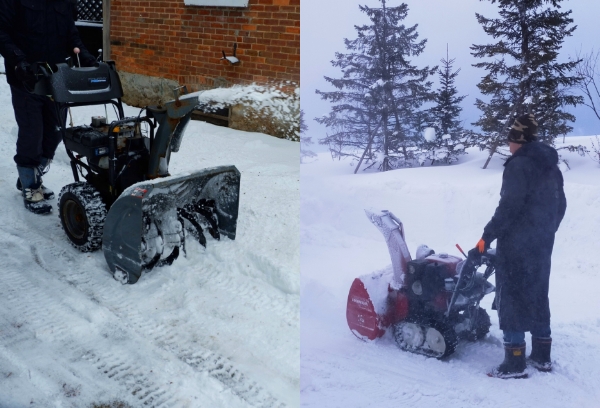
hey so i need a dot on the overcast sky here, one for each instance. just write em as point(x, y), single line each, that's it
point(325, 23)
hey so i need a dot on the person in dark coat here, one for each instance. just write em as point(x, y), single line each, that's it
point(532, 206)
point(36, 31)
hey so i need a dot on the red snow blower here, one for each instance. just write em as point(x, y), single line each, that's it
point(430, 302)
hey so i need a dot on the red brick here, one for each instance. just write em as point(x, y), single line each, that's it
point(189, 40)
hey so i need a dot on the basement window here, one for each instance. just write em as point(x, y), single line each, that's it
point(218, 3)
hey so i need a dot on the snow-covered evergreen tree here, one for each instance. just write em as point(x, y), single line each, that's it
point(375, 114)
point(305, 140)
point(449, 141)
point(523, 74)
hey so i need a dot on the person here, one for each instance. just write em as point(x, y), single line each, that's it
point(36, 31)
point(531, 208)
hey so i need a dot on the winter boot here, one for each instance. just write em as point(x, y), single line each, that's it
point(33, 195)
point(41, 170)
point(48, 194)
point(513, 365)
point(540, 353)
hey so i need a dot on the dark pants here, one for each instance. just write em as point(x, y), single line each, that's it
point(39, 133)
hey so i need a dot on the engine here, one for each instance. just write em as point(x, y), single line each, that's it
point(431, 279)
point(92, 142)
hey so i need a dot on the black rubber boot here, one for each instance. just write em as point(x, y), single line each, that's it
point(514, 363)
point(540, 354)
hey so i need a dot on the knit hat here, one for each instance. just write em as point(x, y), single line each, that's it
point(523, 130)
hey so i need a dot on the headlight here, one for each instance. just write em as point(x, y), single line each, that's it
point(417, 288)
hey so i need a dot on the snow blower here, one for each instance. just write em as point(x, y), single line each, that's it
point(127, 202)
point(429, 303)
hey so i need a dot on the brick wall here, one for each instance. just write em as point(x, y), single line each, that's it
point(184, 43)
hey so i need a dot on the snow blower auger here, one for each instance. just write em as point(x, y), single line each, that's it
point(128, 203)
point(429, 303)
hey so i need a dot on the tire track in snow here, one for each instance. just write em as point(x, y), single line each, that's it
point(267, 300)
point(274, 300)
point(204, 360)
point(186, 348)
point(44, 319)
point(197, 356)
point(134, 377)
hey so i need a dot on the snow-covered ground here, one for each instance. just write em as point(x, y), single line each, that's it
point(439, 206)
point(219, 328)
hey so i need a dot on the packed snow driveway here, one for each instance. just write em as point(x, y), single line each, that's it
point(218, 328)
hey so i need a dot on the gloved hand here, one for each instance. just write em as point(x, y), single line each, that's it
point(84, 58)
point(482, 246)
point(88, 61)
point(25, 73)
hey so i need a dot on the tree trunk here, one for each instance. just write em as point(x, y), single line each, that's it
point(492, 151)
point(506, 124)
point(368, 148)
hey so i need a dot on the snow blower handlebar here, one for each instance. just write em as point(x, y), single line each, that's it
point(468, 269)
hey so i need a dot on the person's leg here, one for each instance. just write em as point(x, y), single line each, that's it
point(52, 135)
point(543, 332)
point(28, 114)
point(42, 169)
point(33, 194)
point(514, 363)
point(514, 337)
point(541, 345)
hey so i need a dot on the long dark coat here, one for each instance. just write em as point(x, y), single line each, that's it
point(532, 205)
point(37, 31)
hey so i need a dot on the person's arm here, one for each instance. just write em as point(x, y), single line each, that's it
point(562, 203)
point(86, 58)
point(513, 197)
point(8, 48)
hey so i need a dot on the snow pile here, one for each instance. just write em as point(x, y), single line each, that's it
point(376, 285)
point(441, 206)
point(218, 328)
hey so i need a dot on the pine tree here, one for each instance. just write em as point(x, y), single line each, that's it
point(376, 107)
point(524, 75)
point(450, 141)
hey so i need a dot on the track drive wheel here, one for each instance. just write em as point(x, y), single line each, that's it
point(409, 335)
point(82, 213)
point(428, 337)
point(441, 339)
point(482, 325)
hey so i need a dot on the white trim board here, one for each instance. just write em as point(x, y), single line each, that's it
point(218, 3)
